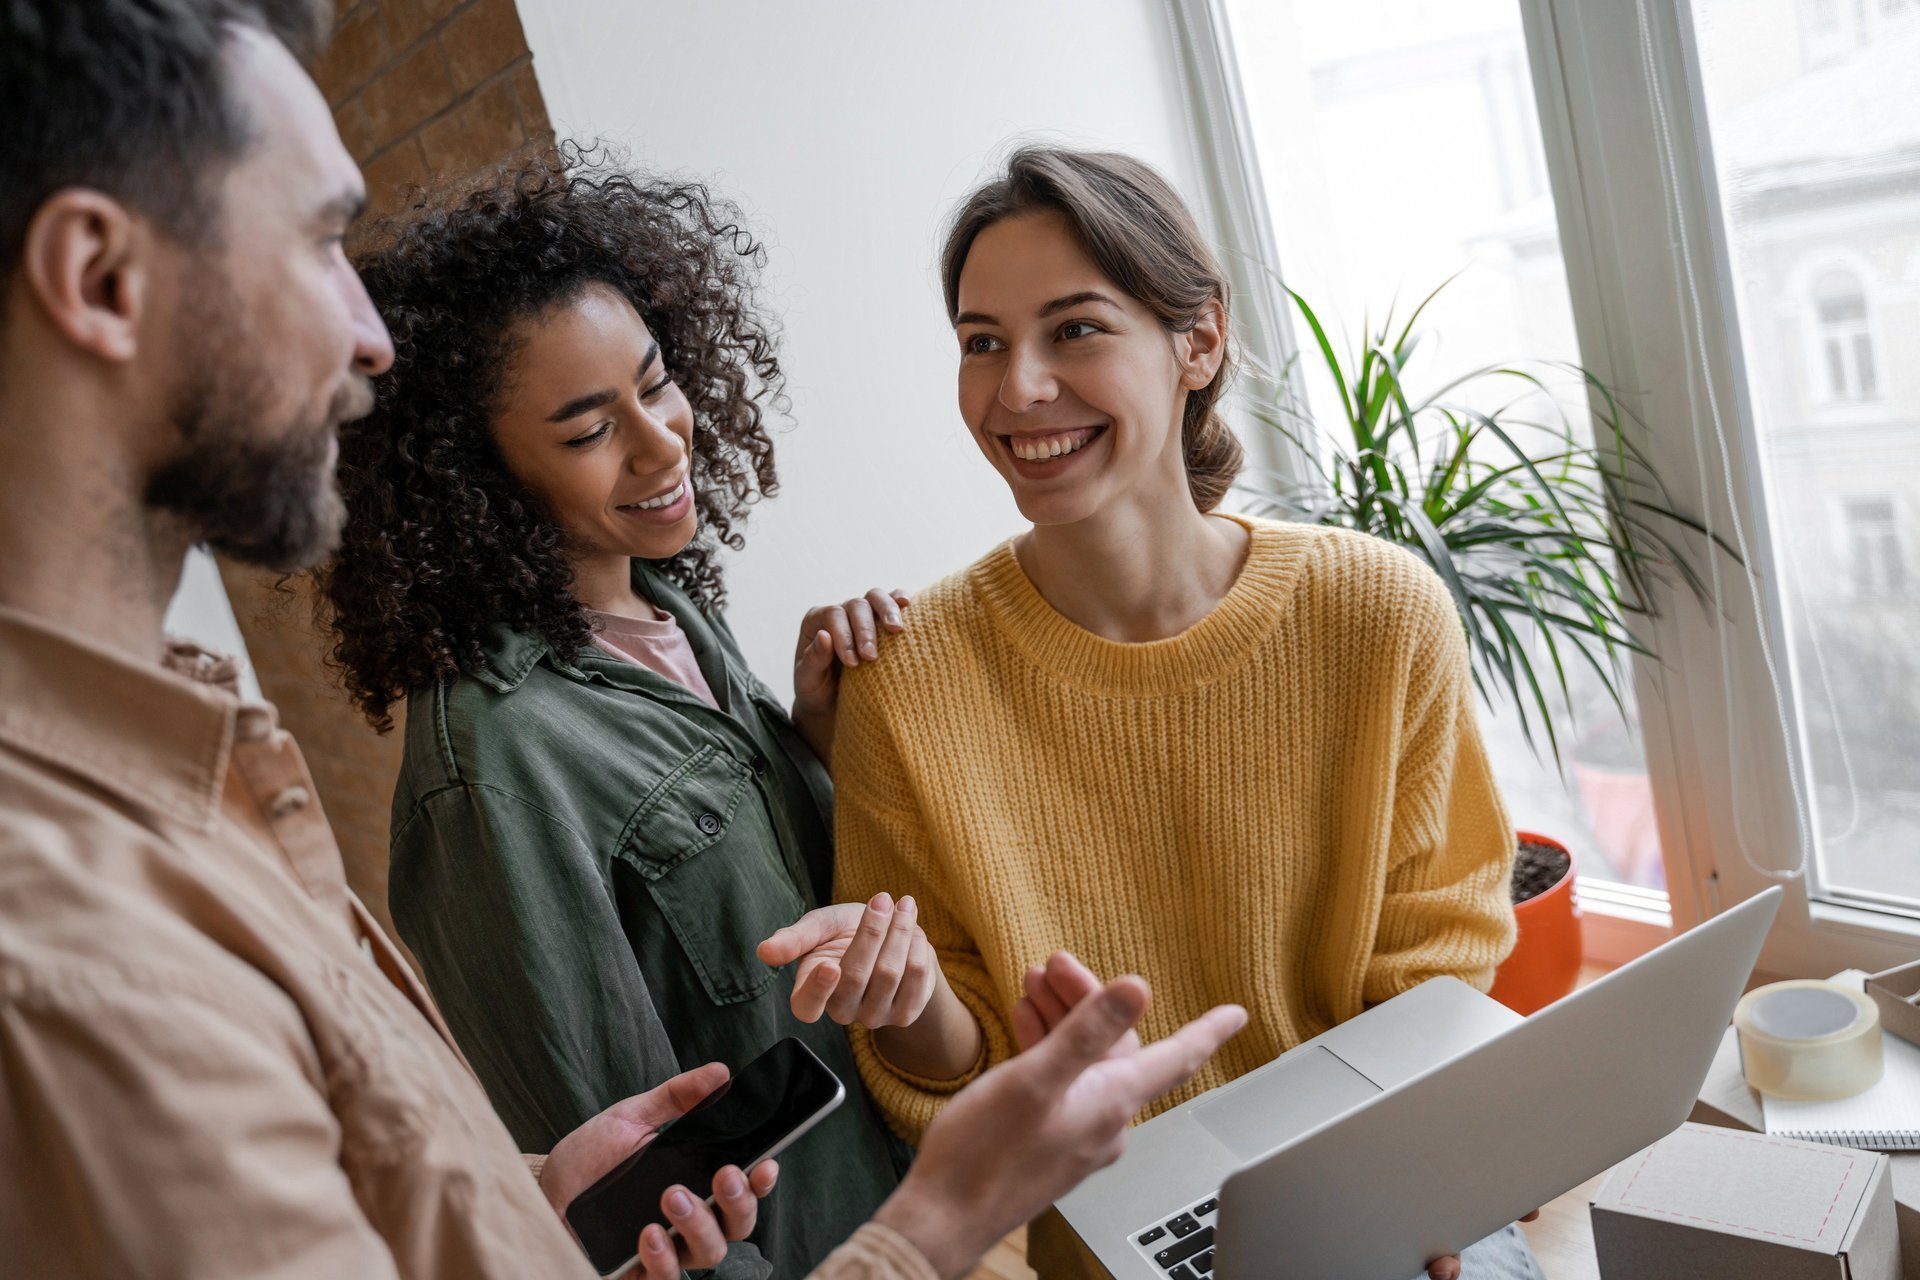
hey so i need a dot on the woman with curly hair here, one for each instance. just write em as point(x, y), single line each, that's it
point(600, 810)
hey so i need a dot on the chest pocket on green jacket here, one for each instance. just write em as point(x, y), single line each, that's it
point(702, 842)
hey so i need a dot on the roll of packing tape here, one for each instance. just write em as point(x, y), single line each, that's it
point(1809, 1041)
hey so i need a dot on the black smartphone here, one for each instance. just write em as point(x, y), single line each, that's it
point(756, 1115)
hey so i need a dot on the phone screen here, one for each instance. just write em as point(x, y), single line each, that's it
point(780, 1092)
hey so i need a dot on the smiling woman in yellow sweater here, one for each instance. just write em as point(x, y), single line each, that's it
point(1237, 757)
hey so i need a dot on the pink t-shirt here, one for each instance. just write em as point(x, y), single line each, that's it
point(656, 643)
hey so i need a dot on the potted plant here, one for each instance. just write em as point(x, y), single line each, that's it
point(1545, 523)
point(1545, 962)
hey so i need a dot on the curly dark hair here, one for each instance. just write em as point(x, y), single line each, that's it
point(441, 542)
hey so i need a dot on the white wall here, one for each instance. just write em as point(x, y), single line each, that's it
point(848, 130)
point(201, 612)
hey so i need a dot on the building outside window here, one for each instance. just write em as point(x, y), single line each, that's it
point(1844, 345)
point(1821, 164)
point(1871, 546)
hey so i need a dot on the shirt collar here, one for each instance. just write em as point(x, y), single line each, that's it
point(157, 734)
point(509, 656)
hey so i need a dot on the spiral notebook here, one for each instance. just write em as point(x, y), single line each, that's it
point(1884, 1118)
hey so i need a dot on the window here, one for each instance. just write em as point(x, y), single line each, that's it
point(1840, 183)
point(1400, 145)
point(1843, 344)
point(1730, 230)
point(1871, 547)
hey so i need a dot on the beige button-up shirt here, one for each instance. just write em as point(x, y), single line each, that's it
point(212, 1062)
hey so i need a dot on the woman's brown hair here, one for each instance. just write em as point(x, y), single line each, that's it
point(1139, 233)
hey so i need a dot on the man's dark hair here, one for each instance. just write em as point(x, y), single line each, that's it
point(127, 97)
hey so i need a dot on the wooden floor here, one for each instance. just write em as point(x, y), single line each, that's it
point(1562, 1237)
point(1008, 1261)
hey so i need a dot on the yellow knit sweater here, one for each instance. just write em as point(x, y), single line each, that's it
point(1287, 806)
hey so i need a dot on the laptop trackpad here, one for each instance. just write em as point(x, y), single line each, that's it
point(1263, 1111)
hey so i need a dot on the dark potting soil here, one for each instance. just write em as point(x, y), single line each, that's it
point(1536, 869)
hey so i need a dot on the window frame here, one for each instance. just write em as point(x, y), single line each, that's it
point(1667, 324)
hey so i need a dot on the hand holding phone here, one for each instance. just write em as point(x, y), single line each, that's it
point(738, 1125)
point(581, 1157)
point(701, 1230)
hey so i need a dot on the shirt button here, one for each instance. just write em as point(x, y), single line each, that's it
point(709, 824)
point(759, 766)
point(288, 802)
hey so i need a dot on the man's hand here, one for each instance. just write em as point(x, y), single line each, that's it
point(579, 1159)
point(1029, 1130)
point(1056, 987)
point(868, 964)
point(833, 637)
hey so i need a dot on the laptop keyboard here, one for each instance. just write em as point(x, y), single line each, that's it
point(1182, 1246)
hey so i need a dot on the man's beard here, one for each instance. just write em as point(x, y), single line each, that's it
point(263, 496)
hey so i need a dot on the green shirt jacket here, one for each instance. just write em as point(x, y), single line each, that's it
point(585, 856)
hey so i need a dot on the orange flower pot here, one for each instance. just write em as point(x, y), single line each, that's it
point(1545, 963)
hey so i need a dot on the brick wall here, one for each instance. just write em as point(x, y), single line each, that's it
point(420, 89)
point(430, 88)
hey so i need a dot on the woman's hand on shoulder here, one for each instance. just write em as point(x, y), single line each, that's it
point(832, 638)
point(870, 964)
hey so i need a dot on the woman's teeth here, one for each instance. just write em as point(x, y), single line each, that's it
point(1042, 448)
point(664, 500)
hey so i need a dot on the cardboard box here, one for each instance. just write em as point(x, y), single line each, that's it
point(1725, 1099)
point(1893, 991)
point(1705, 1203)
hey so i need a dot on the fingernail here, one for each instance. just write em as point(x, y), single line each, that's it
point(732, 1184)
point(654, 1239)
point(907, 904)
point(679, 1203)
point(881, 903)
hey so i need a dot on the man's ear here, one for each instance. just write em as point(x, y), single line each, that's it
point(87, 264)
point(1204, 347)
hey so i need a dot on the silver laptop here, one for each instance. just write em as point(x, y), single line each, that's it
point(1421, 1126)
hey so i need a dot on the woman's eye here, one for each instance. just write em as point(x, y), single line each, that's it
point(591, 436)
point(653, 392)
point(978, 344)
point(1078, 329)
